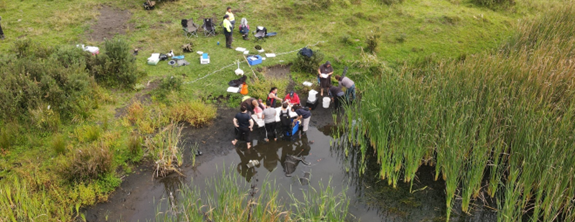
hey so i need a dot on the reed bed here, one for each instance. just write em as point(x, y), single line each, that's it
point(501, 123)
point(228, 197)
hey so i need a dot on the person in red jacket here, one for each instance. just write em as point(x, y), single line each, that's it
point(292, 98)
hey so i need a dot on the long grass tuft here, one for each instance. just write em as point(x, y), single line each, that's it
point(499, 123)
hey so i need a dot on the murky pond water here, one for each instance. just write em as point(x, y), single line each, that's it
point(371, 199)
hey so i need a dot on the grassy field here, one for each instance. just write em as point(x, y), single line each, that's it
point(33, 159)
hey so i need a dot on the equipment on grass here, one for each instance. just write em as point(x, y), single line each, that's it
point(205, 59)
point(209, 27)
point(189, 27)
point(238, 71)
point(261, 33)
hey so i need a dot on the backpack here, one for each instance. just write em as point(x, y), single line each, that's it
point(285, 118)
point(306, 52)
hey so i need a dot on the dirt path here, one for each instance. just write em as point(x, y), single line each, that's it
point(111, 22)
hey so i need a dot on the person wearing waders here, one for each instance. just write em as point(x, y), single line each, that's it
point(285, 120)
point(1, 32)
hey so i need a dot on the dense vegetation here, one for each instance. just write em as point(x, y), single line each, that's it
point(71, 123)
point(499, 123)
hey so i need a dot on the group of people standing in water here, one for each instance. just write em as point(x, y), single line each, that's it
point(291, 102)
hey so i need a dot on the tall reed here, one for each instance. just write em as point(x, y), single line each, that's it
point(228, 197)
point(499, 123)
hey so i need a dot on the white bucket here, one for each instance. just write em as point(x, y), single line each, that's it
point(326, 101)
point(312, 96)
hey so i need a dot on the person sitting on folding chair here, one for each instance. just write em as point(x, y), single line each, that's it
point(244, 124)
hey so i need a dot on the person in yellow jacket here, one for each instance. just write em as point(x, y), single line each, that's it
point(232, 17)
point(228, 31)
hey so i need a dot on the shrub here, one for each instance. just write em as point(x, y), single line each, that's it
point(88, 163)
point(307, 65)
point(171, 83)
point(194, 112)
point(116, 67)
point(58, 144)
point(135, 146)
point(45, 118)
point(164, 150)
point(5, 138)
point(135, 112)
point(37, 78)
point(346, 40)
point(372, 42)
point(87, 133)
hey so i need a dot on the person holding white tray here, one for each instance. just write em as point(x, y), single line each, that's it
point(324, 76)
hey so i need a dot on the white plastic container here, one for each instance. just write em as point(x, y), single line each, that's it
point(312, 96)
point(326, 101)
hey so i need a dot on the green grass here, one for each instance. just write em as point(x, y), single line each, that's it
point(410, 31)
point(496, 123)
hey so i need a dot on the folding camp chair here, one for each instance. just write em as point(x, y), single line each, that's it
point(209, 27)
point(261, 33)
point(189, 27)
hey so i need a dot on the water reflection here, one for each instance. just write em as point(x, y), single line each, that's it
point(293, 151)
point(423, 199)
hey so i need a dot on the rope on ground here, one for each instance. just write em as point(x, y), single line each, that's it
point(230, 65)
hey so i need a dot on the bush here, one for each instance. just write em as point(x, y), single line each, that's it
point(5, 138)
point(171, 83)
point(116, 67)
point(135, 146)
point(35, 80)
point(372, 42)
point(88, 163)
point(307, 65)
point(58, 144)
point(87, 133)
point(193, 112)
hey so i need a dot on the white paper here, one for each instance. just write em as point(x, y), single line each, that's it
point(306, 83)
point(200, 52)
point(270, 55)
point(323, 75)
point(259, 121)
point(233, 89)
point(240, 49)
